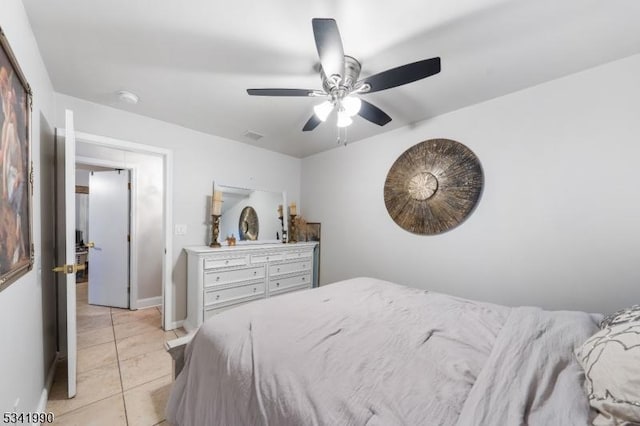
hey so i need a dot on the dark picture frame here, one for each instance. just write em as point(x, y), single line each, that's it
point(312, 231)
point(16, 171)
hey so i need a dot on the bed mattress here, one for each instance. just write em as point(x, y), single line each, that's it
point(370, 352)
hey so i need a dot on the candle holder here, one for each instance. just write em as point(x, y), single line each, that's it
point(215, 230)
point(292, 229)
point(284, 231)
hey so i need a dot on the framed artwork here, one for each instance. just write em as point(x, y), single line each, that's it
point(312, 231)
point(16, 250)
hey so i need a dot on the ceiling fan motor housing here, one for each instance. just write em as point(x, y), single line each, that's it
point(352, 69)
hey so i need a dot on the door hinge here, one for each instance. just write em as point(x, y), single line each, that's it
point(129, 186)
point(129, 238)
point(69, 269)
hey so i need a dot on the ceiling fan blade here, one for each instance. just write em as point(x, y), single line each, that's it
point(329, 45)
point(313, 122)
point(374, 114)
point(402, 75)
point(280, 92)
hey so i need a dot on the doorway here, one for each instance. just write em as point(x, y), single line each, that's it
point(105, 237)
point(112, 153)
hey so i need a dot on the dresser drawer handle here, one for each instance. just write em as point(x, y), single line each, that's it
point(226, 262)
point(255, 272)
point(217, 296)
point(267, 257)
point(277, 284)
point(304, 266)
point(255, 289)
point(303, 278)
point(218, 278)
point(278, 270)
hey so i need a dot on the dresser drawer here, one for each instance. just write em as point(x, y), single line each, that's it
point(213, 278)
point(286, 268)
point(264, 258)
point(298, 254)
point(276, 284)
point(213, 297)
point(226, 261)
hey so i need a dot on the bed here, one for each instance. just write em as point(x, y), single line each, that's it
point(370, 352)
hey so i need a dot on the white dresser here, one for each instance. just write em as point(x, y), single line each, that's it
point(222, 278)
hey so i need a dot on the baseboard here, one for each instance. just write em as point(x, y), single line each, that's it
point(175, 324)
point(44, 396)
point(149, 302)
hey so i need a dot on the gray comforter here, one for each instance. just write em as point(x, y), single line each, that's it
point(369, 352)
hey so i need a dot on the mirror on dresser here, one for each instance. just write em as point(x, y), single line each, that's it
point(250, 215)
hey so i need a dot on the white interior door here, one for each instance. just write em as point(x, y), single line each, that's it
point(109, 237)
point(65, 247)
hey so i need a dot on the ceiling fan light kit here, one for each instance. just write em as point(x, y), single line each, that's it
point(340, 84)
point(323, 110)
point(343, 119)
point(351, 105)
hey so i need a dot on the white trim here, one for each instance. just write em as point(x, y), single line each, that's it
point(121, 144)
point(133, 246)
point(167, 287)
point(167, 157)
point(44, 396)
point(69, 250)
point(176, 324)
point(149, 302)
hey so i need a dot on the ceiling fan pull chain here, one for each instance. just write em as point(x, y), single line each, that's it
point(342, 139)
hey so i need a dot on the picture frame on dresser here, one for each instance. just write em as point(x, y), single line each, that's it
point(313, 234)
point(16, 172)
point(313, 231)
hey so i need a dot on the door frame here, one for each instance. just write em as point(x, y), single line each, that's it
point(133, 243)
point(167, 173)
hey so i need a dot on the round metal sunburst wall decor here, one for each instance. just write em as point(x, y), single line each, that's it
point(433, 186)
point(248, 224)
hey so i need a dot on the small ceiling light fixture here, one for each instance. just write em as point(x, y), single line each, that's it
point(323, 110)
point(347, 108)
point(128, 97)
point(351, 105)
point(344, 119)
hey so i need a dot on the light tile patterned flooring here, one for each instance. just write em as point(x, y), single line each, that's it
point(123, 372)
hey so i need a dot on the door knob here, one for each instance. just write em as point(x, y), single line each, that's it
point(91, 244)
point(69, 269)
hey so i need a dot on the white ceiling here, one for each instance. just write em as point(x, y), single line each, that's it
point(191, 61)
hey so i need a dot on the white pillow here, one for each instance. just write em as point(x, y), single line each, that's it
point(623, 315)
point(611, 362)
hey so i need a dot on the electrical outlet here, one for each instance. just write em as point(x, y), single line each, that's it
point(181, 229)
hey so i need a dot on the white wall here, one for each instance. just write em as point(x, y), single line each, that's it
point(557, 225)
point(27, 307)
point(198, 160)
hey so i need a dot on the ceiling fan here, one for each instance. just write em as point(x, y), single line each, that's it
point(340, 84)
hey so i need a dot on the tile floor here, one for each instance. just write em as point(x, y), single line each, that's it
point(123, 372)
